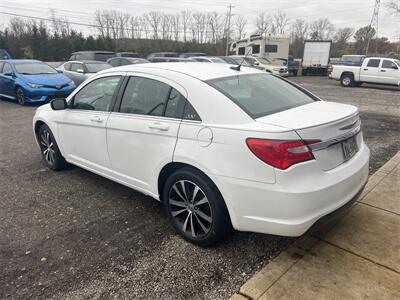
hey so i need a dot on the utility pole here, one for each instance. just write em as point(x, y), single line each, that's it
point(228, 31)
point(374, 24)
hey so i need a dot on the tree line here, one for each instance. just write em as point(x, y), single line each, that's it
point(55, 39)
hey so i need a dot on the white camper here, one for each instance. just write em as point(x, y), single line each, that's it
point(270, 47)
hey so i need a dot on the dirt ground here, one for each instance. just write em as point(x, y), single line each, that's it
point(75, 235)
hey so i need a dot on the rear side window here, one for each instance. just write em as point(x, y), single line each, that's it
point(76, 67)
point(373, 63)
point(67, 66)
point(261, 94)
point(144, 96)
point(388, 64)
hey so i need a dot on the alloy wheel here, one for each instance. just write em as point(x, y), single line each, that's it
point(20, 96)
point(47, 147)
point(190, 209)
point(346, 81)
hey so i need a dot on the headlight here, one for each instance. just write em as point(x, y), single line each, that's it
point(35, 86)
point(71, 83)
point(276, 69)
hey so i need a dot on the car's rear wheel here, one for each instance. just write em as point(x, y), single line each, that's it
point(347, 80)
point(49, 148)
point(19, 94)
point(196, 208)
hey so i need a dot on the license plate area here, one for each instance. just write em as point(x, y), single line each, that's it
point(350, 147)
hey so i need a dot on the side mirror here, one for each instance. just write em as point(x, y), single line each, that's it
point(59, 71)
point(394, 67)
point(58, 104)
point(80, 71)
point(10, 74)
point(256, 63)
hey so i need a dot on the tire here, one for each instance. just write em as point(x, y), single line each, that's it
point(347, 80)
point(203, 219)
point(49, 149)
point(20, 96)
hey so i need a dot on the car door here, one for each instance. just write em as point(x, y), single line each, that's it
point(390, 73)
point(82, 126)
point(7, 81)
point(370, 72)
point(142, 134)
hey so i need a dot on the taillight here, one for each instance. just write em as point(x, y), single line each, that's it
point(279, 153)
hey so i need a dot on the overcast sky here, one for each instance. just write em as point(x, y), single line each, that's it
point(342, 13)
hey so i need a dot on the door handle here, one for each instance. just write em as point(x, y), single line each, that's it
point(383, 70)
point(159, 126)
point(96, 119)
point(365, 69)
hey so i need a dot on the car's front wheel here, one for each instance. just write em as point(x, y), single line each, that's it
point(49, 148)
point(195, 207)
point(19, 94)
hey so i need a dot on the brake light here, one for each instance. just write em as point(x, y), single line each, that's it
point(279, 153)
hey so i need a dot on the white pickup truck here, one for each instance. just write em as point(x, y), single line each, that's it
point(373, 70)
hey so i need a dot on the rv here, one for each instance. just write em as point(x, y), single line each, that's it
point(270, 47)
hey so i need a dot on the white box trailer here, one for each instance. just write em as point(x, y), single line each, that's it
point(271, 47)
point(316, 57)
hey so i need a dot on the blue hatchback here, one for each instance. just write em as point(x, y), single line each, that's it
point(29, 81)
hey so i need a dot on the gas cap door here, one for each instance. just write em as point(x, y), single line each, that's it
point(205, 137)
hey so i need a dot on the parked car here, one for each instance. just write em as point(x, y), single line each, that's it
point(265, 64)
point(191, 54)
point(122, 61)
point(4, 54)
point(291, 64)
point(161, 54)
point(30, 81)
point(211, 59)
point(373, 70)
point(92, 55)
point(127, 54)
point(221, 148)
point(81, 70)
point(170, 59)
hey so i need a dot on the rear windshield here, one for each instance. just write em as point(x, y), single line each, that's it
point(94, 68)
point(103, 56)
point(261, 94)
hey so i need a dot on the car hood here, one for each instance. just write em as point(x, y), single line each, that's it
point(46, 79)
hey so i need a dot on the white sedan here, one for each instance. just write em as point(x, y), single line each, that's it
point(222, 147)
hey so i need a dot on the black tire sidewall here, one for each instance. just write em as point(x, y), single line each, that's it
point(221, 225)
point(59, 159)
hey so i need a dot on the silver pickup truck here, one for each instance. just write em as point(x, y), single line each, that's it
point(373, 70)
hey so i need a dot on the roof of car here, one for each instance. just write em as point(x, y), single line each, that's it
point(22, 61)
point(86, 61)
point(198, 70)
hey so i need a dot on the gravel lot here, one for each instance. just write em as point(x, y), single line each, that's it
point(75, 235)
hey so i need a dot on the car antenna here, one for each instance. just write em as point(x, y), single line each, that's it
point(237, 68)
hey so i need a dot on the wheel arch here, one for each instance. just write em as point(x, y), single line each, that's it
point(174, 166)
point(347, 73)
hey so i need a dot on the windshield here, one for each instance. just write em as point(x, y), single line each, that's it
point(94, 68)
point(239, 60)
point(218, 60)
point(264, 61)
point(261, 94)
point(34, 68)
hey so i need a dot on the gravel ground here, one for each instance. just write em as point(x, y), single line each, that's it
point(74, 235)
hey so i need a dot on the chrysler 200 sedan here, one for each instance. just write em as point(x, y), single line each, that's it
point(222, 147)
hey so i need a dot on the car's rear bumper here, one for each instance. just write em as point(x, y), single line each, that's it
point(297, 200)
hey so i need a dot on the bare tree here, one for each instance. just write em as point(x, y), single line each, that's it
point(321, 29)
point(175, 25)
point(394, 7)
point(263, 23)
point(215, 26)
point(299, 30)
point(279, 23)
point(154, 20)
point(186, 16)
point(240, 24)
point(342, 35)
point(60, 25)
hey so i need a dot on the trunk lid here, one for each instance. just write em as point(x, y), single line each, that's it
point(329, 122)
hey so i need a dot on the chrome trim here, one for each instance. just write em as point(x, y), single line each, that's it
point(335, 140)
point(349, 126)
